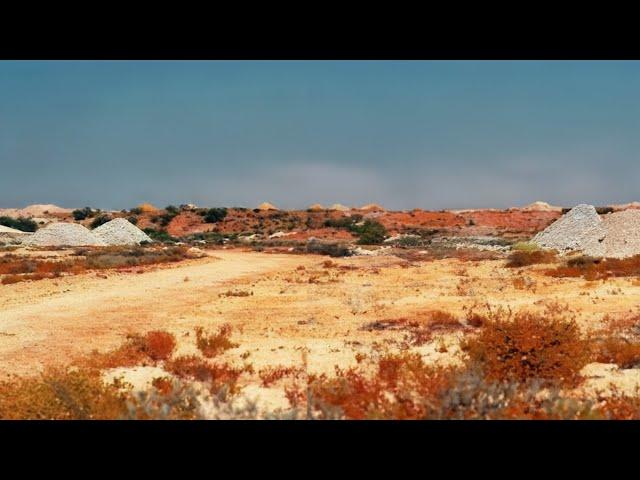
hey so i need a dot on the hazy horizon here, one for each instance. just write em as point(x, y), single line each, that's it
point(431, 135)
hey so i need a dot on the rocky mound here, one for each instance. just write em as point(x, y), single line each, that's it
point(622, 234)
point(120, 231)
point(539, 206)
point(339, 207)
point(580, 228)
point(316, 207)
point(372, 206)
point(267, 206)
point(64, 234)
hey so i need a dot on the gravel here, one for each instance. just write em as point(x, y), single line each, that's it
point(120, 231)
point(581, 228)
point(64, 234)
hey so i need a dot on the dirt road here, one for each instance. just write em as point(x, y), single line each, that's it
point(51, 321)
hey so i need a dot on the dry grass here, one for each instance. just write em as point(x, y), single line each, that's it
point(597, 269)
point(421, 328)
point(18, 269)
point(524, 258)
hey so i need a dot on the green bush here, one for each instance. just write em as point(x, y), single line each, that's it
point(214, 215)
point(21, 223)
point(133, 220)
point(159, 235)
point(371, 233)
point(82, 213)
point(101, 220)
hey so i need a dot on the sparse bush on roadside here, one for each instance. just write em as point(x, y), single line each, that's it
point(214, 344)
point(270, 375)
point(420, 328)
point(137, 350)
point(221, 377)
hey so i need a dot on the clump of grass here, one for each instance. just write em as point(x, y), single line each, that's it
point(525, 247)
point(212, 345)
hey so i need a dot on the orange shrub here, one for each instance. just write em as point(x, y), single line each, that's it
point(597, 269)
point(217, 375)
point(137, 350)
point(528, 346)
point(159, 345)
point(212, 345)
point(622, 352)
point(403, 387)
point(62, 395)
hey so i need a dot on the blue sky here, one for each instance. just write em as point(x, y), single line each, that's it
point(404, 134)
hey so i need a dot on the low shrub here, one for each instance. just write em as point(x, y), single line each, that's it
point(57, 394)
point(100, 220)
point(597, 269)
point(624, 353)
point(523, 258)
point(214, 215)
point(20, 223)
point(83, 213)
point(528, 346)
point(136, 350)
point(212, 345)
point(328, 248)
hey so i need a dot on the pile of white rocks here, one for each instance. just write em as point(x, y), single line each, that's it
point(64, 234)
point(614, 235)
point(120, 231)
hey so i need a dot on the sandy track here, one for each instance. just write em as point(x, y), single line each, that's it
point(52, 321)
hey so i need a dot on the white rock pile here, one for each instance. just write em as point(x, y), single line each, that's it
point(10, 236)
point(623, 234)
point(120, 231)
point(581, 228)
point(615, 235)
point(64, 234)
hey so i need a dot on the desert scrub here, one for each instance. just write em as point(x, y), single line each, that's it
point(523, 258)
point(20, 223)
point(212, 345)
point(401, 387)
point(528, 346)
point(525, 247)
point(221, 378)
point(591, 268)
point(62, 395)
point(136, 350)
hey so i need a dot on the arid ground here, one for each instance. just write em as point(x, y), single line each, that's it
point(304, 311)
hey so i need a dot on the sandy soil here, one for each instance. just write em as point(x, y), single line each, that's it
point(296, 306)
